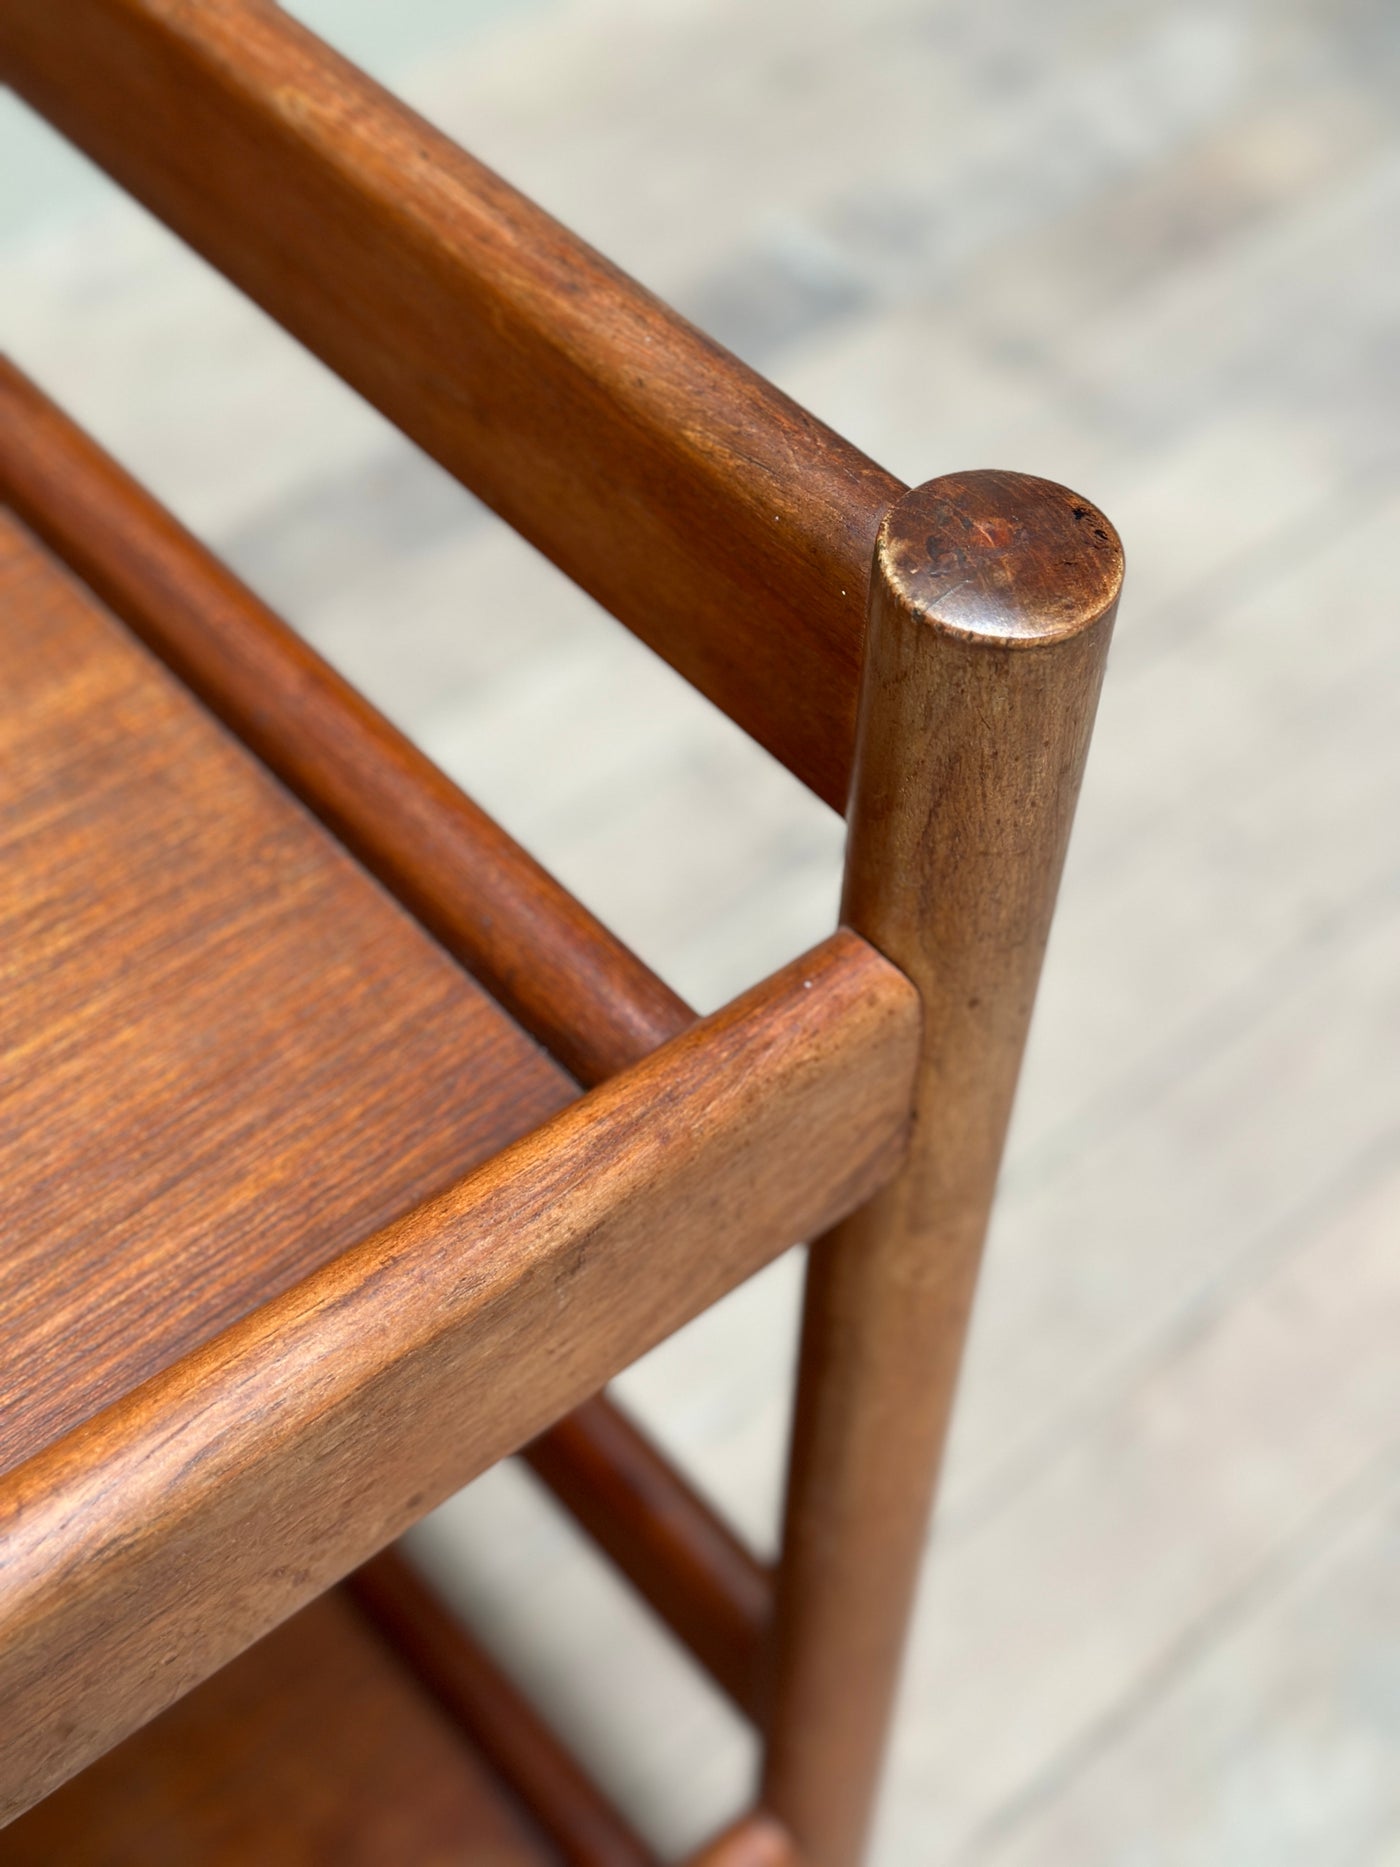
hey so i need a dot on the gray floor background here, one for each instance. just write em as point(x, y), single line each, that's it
point(1149, 249)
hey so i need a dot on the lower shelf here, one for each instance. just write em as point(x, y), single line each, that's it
point(318, 1748)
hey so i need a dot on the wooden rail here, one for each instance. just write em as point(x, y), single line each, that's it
point(711, 1590)
point(502, 1724)
point(471, 1688)
point(709, 513)
point(155, 1542)
point(558, 970)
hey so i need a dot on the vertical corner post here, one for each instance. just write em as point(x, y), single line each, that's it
point(991, 605)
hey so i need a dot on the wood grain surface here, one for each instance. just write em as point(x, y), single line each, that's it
point(317, 1748)
point(726, 526)
point(573, 984)
point(576, 986)
point(150, 1546)
point(227, 1055)
point(1191, 316)
point(467, 1684)
point(992, 605)
point(709, 1588)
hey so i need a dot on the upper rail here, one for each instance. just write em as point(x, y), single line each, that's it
point(719, 521)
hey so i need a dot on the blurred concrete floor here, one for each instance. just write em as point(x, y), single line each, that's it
point(1146, 249)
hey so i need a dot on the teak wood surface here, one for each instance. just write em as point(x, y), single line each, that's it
point(714, 517)
point(316, 1748)
point(150, 1546)
point(367, 1731)
point(537, 950)
point(573, 984)
point(992, 604)
point(227, 1054)
point(715, 1595)
point(499, 1722)
point(152, 1538)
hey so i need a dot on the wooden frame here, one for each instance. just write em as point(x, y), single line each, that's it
point(188, 1496)
point(746, 543)
point(560, 392)
point(991, 607)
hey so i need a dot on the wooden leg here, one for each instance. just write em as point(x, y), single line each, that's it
point(991, 605)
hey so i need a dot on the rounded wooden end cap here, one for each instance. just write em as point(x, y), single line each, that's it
point(1003, 558)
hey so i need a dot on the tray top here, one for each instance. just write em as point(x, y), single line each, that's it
point(225, 1053)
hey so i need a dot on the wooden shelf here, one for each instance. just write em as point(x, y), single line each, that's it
point(317, 1748)
point(229, 1055)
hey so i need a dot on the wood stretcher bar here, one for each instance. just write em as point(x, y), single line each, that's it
point(709, 1587)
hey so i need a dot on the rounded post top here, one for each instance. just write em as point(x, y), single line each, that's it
point(1001, 558)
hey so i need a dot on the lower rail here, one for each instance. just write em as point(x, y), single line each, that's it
point(472, 1689)
point(710, 1589)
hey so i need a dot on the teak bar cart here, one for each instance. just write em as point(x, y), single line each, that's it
point(344, 1153)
